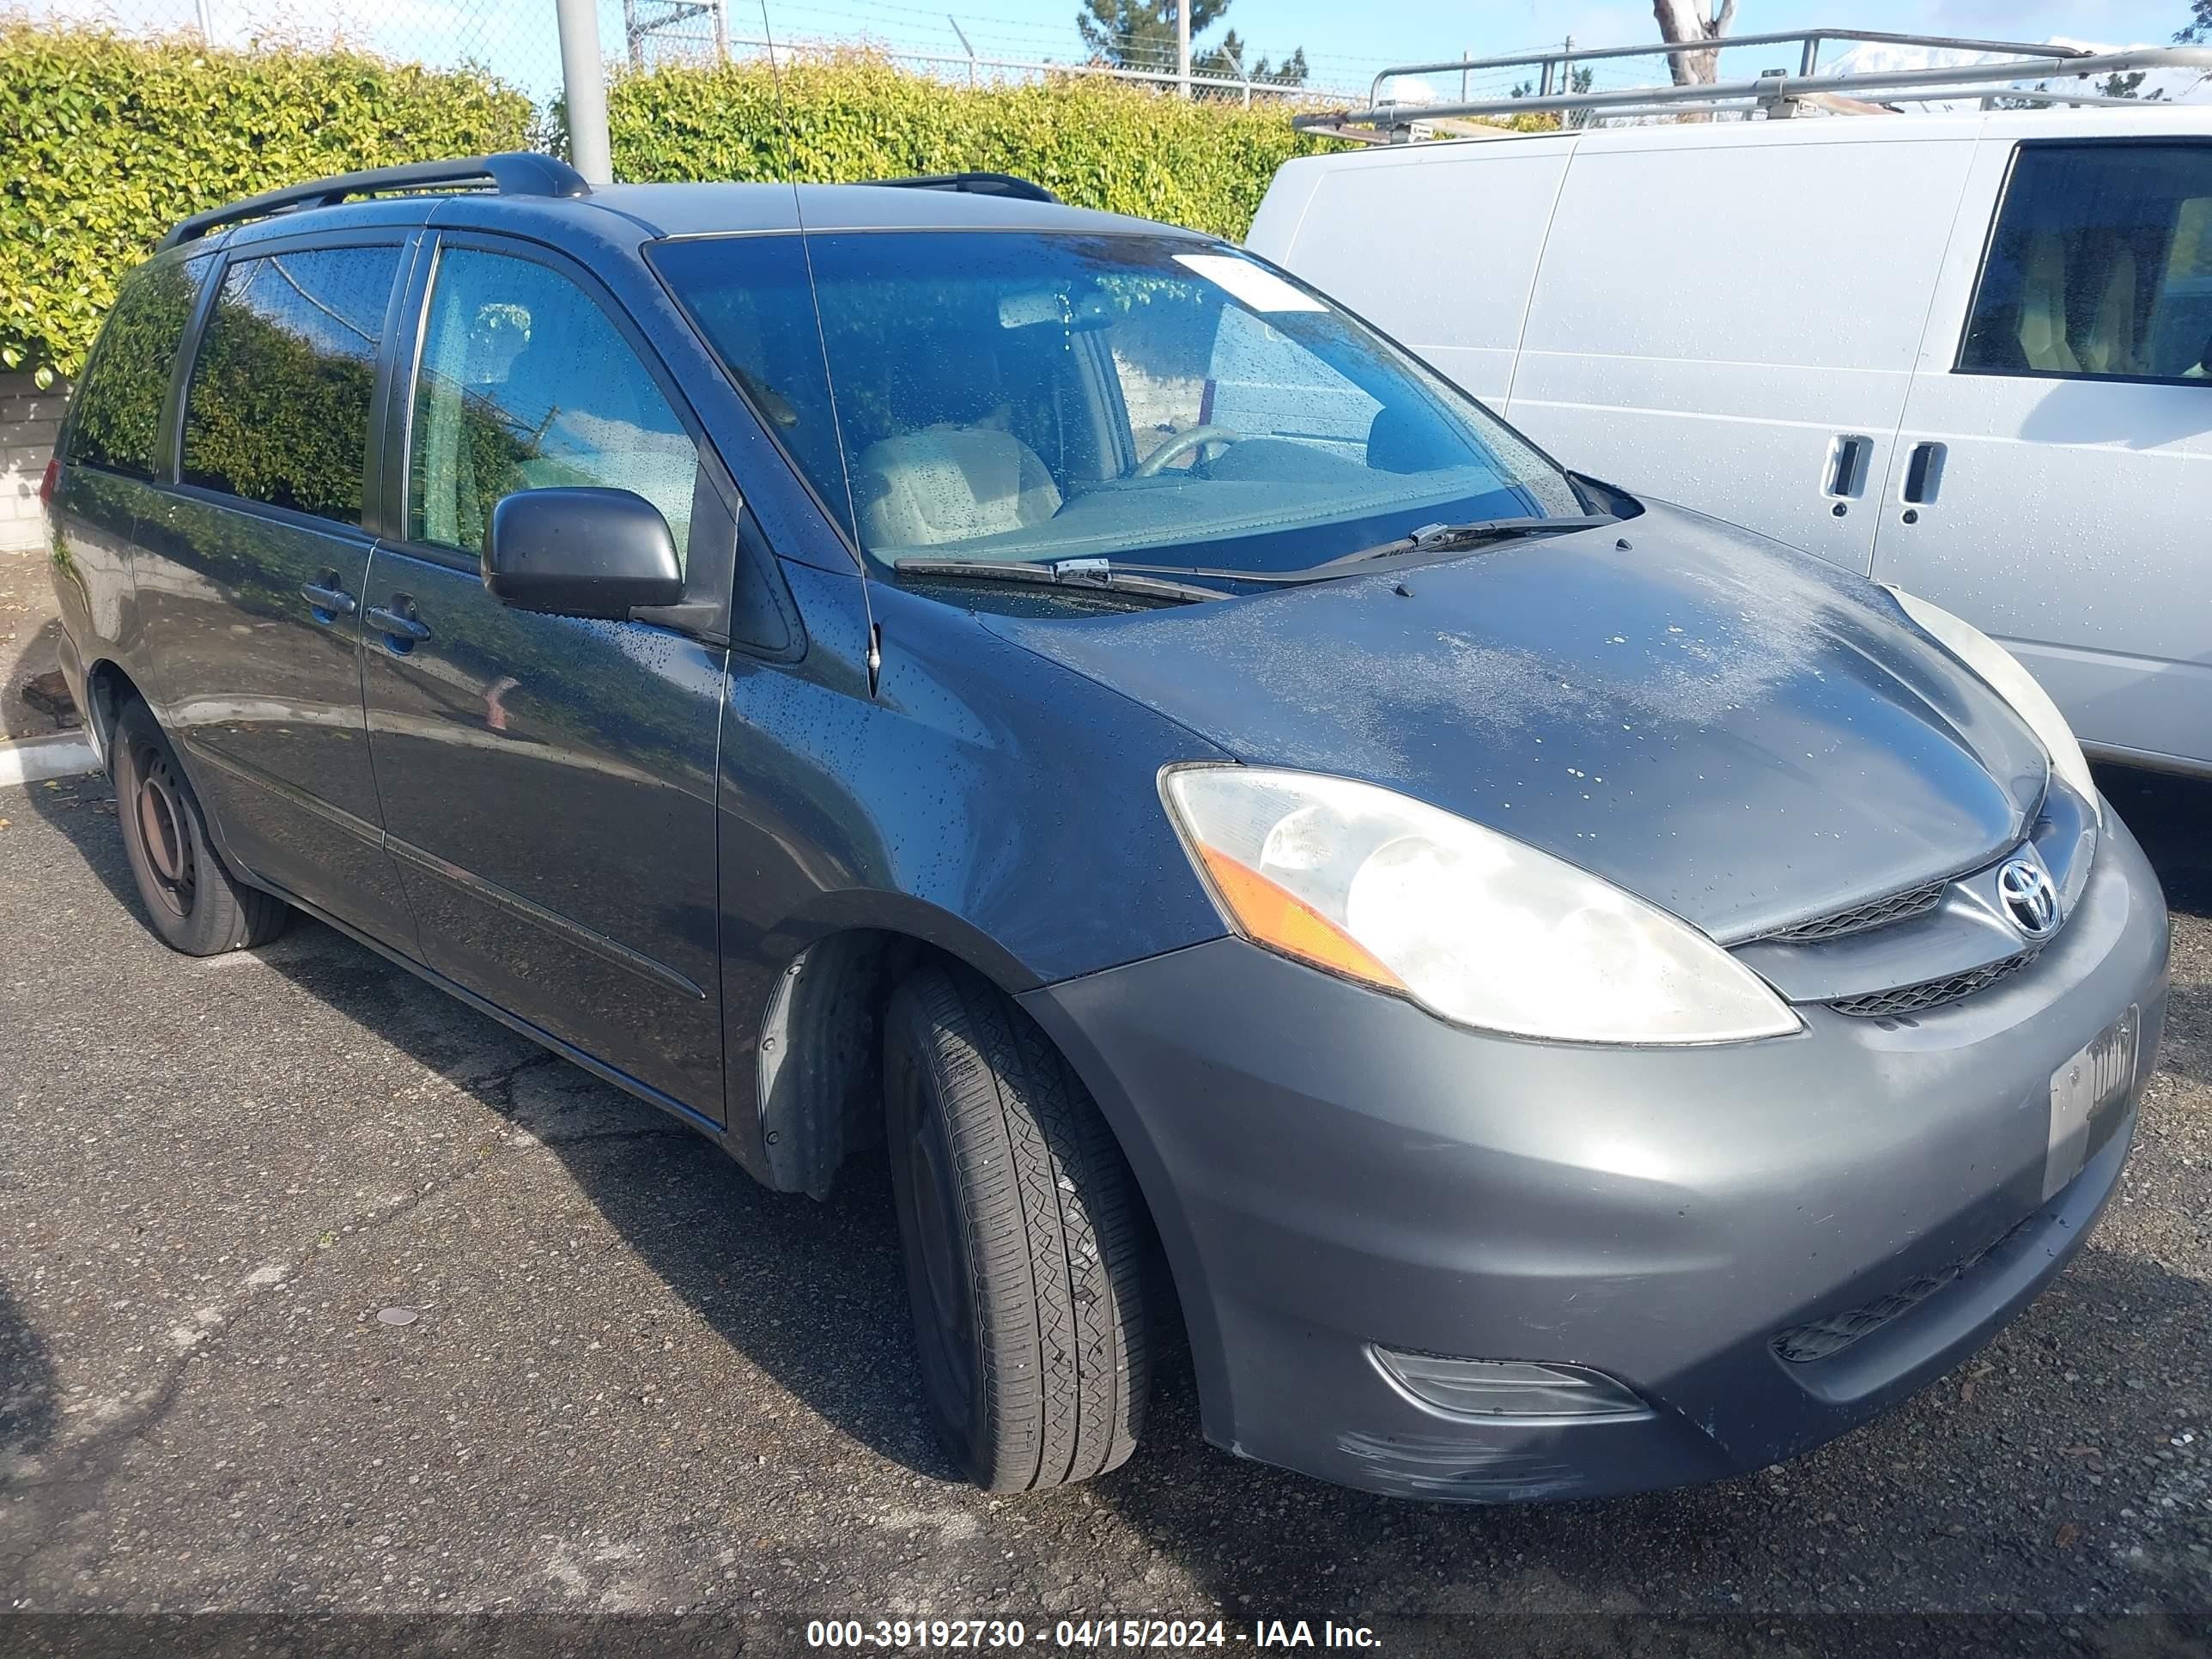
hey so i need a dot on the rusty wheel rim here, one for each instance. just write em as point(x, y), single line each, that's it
point(163, 833)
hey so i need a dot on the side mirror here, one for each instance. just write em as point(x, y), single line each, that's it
point(580, 553)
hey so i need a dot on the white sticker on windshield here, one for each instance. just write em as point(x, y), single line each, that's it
point(1255, 285)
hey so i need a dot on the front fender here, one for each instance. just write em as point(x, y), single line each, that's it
point(980, 802)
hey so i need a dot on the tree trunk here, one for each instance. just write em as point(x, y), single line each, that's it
point(1690, 20)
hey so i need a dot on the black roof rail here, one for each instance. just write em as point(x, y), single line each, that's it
point(517, 173)
point(975, 183)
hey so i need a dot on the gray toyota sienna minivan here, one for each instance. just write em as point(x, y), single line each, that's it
point(1579, 997)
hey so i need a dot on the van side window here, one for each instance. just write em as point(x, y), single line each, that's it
point(2100, 266)
point(115, 420)
point(526, 384)
point(277, 408)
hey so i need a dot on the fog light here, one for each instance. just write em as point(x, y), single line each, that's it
point(1507, 1387)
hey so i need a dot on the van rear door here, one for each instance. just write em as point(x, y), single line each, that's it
point(1727, 317)
point(2054, 472)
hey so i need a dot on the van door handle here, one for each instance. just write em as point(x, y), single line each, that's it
point(1923, 473)
point(328, 600)
point(398, 622)
point(1848, 455)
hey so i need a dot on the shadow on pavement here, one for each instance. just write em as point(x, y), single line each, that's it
point(2171, 816)
point(810, 1292)
point(28, 1406)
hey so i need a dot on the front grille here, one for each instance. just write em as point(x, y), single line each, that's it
point(1874, 913)
point(1822, 1339)
point(1932, 992)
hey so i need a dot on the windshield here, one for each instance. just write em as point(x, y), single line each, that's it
point(1004, 395)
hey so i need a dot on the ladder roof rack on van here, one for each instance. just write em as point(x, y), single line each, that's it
point(1775, 93)
point(516, 172)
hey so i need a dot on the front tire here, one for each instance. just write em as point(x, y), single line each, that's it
point(1022, 1248)
point(194, 903)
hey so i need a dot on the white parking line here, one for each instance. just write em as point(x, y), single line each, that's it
point(31, 760)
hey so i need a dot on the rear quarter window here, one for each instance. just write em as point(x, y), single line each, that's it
point(116, 416)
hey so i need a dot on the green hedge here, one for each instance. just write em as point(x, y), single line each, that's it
point(1096, 143)
point(109, 141)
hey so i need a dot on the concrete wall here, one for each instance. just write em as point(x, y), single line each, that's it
point(29, 420)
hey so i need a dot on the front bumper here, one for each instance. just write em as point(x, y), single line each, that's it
point(1331, 1168)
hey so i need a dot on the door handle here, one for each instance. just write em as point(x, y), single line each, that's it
point(1848, 455)
point(1923, 473)
point(402, 629)
point(327, 599)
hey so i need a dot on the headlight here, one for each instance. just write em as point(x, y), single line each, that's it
point(2011, 682)
point(1470, 924)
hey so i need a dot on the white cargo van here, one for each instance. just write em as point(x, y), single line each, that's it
point(1964, 353)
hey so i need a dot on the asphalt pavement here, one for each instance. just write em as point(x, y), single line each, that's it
point(323, 1295)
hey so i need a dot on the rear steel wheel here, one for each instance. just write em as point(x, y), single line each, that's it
point(194, 903)
point(163, 833)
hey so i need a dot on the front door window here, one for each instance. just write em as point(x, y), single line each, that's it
point(525, 384)
point(2100, 267)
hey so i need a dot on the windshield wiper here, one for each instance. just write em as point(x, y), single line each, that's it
point(1458, 537)
point(1153, 580)
point(1067, 573)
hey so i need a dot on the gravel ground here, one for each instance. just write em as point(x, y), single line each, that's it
point(630, 1381)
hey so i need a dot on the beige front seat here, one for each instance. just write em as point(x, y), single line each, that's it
point(2043, 307)
point(950, 484)
point(2111, 346)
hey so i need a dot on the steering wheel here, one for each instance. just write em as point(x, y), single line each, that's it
point(1181, 443)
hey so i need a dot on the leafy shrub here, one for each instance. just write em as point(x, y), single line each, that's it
point(847, 116)
point(110, 141)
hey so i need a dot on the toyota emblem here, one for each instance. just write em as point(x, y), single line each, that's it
point(2029, 899)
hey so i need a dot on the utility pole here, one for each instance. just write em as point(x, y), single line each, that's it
point(584, 89)
point(1183, 47)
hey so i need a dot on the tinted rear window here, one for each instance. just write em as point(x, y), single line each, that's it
point(116, 417)
point(277, 409)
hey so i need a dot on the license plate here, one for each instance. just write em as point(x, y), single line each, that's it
point(2098, 1077)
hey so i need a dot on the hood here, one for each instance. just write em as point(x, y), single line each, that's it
point(1736, 731)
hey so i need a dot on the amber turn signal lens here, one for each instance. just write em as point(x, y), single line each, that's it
point(1273, 916)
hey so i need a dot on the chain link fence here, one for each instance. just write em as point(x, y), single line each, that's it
point(516, 39)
